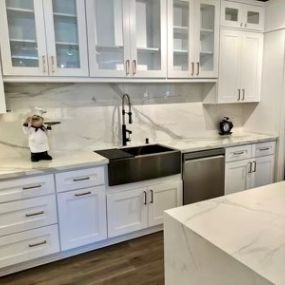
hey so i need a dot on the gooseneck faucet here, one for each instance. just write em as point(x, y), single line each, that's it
point(125, 132)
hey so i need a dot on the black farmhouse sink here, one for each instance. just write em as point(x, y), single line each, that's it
point(133, 164)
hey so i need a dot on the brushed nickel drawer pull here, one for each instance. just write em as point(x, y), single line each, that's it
point(127, 67)
point(264, 148)
point(44, 63)
point(38, 244)
point(82, 194)
point(193, 68)
point(145, 197)
point(32, 187)
point(134, 67)
point(238, 153)
point(250, 167)
point(254, 168)
point(198, 68)
point(35, 214)
point(239, 92)
point(81, 179)
point(52, 64)
point(151, 196)
point(243, 94)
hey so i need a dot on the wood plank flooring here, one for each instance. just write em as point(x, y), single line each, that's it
point(135, 262)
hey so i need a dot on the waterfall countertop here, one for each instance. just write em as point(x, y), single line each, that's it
point(15, 161)
point(237, 239)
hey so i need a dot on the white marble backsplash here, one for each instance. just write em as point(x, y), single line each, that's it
point(90, 114)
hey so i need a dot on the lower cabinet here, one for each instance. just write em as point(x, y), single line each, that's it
point(138, 208)
point(263, 171)
point(82, 217)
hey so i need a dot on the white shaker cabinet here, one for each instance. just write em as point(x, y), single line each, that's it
point(43, 37)
point(193, 38)
point(127, 38)
point(82, 217)
point(240, 66)
point(263, 170)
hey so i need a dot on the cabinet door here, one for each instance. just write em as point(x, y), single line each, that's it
point(22, 35)
point(127, 212)
point(181, 38)
point(148, 22)
point(2, 94)
point(161, 198)
point(108, 38)
point(208, 36)
point(229, 68)
point(232, 14)
point(237, 176)
point(66, 34)
point(82, 217)
point(253, 17)
point(263, 170)
point(251, 66)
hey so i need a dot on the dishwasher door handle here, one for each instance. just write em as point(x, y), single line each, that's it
point(204, 158)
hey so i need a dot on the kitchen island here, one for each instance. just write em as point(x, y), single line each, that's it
point(233, 240)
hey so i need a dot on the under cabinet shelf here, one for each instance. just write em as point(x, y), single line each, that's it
point(20, 10)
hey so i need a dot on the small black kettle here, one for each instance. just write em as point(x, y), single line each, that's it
point(226, 126)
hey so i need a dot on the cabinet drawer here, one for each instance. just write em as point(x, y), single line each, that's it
point(27, 214)
point(22, 188)
point(238, 153)
point(80, 179)
point(263, 149)
point(28, 245)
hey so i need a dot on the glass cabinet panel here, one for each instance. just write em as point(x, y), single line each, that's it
point(66, 34)
point(22, 33)
point(207, 37)
point(148, 35)
point(231, 14)
point(109, 35)
point(181, 13)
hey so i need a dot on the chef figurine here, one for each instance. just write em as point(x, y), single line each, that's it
point(37, 131)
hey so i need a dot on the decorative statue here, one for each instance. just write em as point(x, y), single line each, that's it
point(37, 132)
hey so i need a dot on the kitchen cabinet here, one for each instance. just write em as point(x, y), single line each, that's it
point(243, 16)
point(136, 209)
point(82, 217)
point(240, 66)
point(43, 37)
point(193, 38)
point(2, 94)
point(135, 44)
point(249, 166)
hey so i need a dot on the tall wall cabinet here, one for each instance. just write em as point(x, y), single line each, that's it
point(43, 37)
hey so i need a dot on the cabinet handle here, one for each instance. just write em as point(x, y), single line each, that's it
point(238, 153)
point(38, 244)
point(243, 94)
point(35, 214)
point(151, 196)
point(198, 68)
point(250, 167)
point(241, 24)
point(134, 67)
point(264, 148)
point(245, 24)
point(239, 92)
point(254, 168)
point(82, 194)
point(52, 64)
point(44, 63)
point(193, 68)
point(81, 179)
point(127, 67)
point(145, 197)
point(32, 187)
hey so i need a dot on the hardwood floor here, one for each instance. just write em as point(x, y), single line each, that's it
point(135, 262)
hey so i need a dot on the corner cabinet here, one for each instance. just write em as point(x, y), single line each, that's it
point(43, 37)
point(240, 66)
point(193, 38)
point(127, 38)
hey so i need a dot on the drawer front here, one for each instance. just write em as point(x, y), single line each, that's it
point(78, 179)
point(27, 214)
point(29, 187)
point(28, 245)
point(263, 149)
point(238, 153)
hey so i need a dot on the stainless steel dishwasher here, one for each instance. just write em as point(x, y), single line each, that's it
point(203, 175)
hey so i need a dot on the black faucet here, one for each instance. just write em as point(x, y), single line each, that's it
point(125, 132)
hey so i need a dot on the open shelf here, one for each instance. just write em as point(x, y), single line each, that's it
point(20, 10)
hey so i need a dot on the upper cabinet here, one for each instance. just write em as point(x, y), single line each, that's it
point(127, 38)
point(43, 37)
point(193, 38)
point(238, 15)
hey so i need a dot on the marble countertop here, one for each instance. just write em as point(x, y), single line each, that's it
point(15, 161)
point(247, 226)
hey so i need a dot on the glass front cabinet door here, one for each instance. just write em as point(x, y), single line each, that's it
point(127, 38)
point(22, 34)
point(193, 38)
